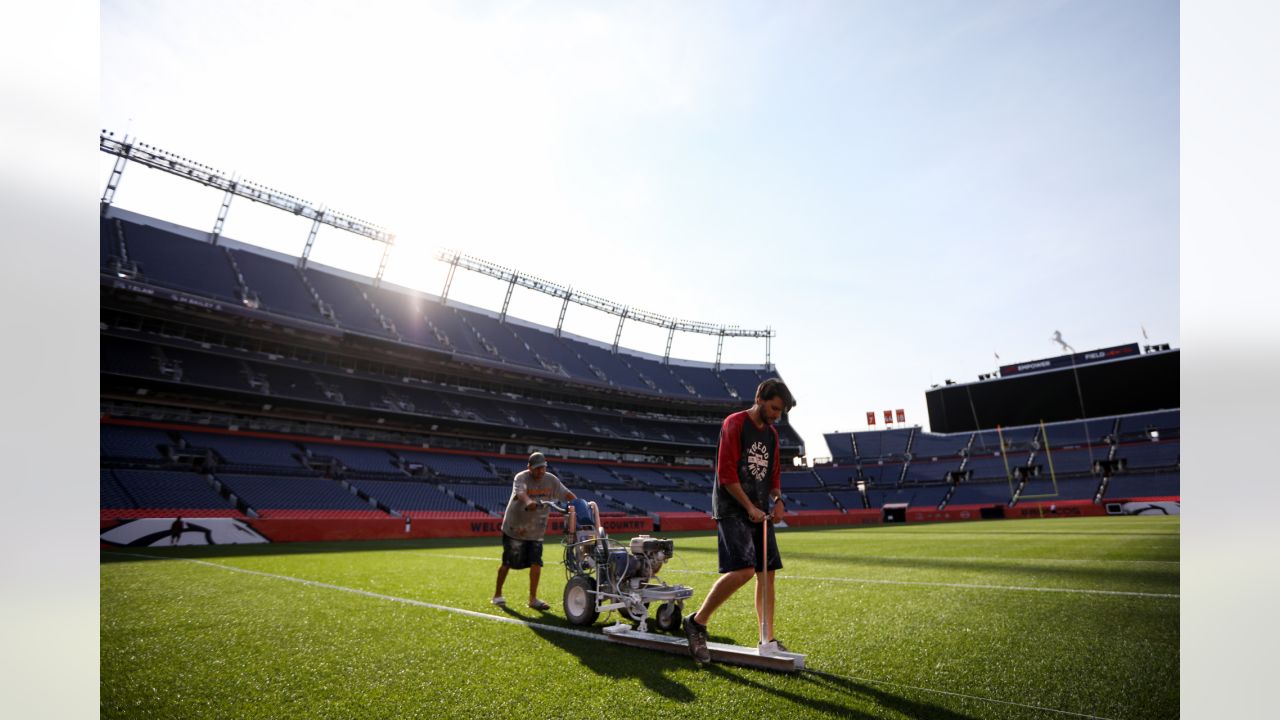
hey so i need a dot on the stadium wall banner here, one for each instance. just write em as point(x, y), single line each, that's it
point(833, 517)
point(317, 530)
point(612, 524)
point(1151, 508)
point(1083, 358)
point(155, 532)
point(1052, 508)
point(951, 514)
point(677, 521)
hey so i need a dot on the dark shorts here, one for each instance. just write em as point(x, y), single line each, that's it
point(740, 547)
point(520, 554)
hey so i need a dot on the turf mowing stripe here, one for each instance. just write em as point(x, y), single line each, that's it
point(996, 558)
point(1132, 593)
point(379, 596)
point(992, 558)
point(579, 633)
point(968, 586)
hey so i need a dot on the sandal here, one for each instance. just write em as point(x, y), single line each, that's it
point(539, 605)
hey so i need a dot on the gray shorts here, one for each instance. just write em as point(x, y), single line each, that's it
point(740, 547)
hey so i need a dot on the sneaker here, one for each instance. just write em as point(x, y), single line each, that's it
point(539, 605)
point(697, 634)
point(498, 600)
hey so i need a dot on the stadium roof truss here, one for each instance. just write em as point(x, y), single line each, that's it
point(152, 157)
point(457, 260)
point(127, 149)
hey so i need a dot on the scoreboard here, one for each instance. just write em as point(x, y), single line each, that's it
point(1113, 381)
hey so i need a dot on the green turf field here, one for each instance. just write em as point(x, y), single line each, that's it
point(1010, 619)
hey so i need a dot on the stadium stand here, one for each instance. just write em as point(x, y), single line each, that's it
point(132, 443)
point(313, 394)
point(248, 454)
point(174, 261)
point(348, 303)
point(449, 466)
point(696, 500)
point(645, 501)
point(491, 498)
point(1156, 485)
point(414, 497)
point(362, 460)
point(1073, 489)
point(270, 496)
point(278, 285)
point(168, 489)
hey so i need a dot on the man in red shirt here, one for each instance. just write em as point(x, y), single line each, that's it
point(748, 472)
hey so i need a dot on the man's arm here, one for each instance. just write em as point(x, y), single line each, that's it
point(520, 487)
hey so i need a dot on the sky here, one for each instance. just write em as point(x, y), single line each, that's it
point(901, 191)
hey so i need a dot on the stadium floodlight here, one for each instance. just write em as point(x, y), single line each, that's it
point(457, 260)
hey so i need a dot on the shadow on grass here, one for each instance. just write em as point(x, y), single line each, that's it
point(840, 697)
point(908, 707)
point(613, 661)
point(845, 698)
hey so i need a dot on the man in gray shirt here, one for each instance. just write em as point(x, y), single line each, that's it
point(525, 523)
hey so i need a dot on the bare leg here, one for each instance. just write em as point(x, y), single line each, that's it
point(725, 586)
point(768, 628)
point(535, 573)
point(502, 577)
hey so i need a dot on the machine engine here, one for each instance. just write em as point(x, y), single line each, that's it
point(641, 561)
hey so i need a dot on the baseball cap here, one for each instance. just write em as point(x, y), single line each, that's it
point(536, 460)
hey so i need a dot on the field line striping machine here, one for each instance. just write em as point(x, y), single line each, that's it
point(604, 575)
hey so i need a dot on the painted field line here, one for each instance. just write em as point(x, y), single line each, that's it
point(966, 586)
point(569, 631)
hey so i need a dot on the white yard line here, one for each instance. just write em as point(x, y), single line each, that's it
point(569, 631)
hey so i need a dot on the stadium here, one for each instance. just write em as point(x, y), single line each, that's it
point(341, 451)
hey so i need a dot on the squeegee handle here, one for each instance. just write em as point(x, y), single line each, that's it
point(764, 580)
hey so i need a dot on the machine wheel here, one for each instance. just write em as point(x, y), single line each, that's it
point(580, 600)
point(668, 618)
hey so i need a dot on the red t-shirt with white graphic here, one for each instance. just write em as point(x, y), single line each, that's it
point(746, 455)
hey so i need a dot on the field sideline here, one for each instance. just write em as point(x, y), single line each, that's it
point(997, 619)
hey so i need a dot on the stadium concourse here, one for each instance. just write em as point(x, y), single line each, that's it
point(293, 402)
